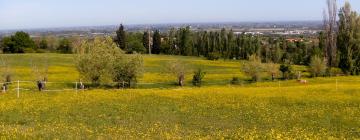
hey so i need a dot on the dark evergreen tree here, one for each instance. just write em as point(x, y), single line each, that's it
point(146, 42)
point(120, 38)
point(156, 47)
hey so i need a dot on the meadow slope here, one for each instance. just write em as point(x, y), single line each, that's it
point(320, 110)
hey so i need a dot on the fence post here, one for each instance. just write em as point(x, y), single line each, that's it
point(336, 85)
point(279, 84)
point(76, 87)
point(18, 88)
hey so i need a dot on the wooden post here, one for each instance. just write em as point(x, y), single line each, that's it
point(4, 89)
point(336, 85)
point(279, 84)
point(76, 87)
point(18, 88)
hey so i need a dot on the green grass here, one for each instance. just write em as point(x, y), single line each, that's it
point(264, 110)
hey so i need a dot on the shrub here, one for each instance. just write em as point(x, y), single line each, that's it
point(273, 70)
point(286, 70)
point(335, 72)
point(197, 78)
point(213, 56)
point(317, 66)
point(253, 68)
point(178, 69)
point(65, 46)
point(136, 47)
point(127, 70)
point(235, 81)
point(95, 61)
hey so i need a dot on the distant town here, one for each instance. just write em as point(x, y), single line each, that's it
point(291, 28)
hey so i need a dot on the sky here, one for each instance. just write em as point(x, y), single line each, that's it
point(26, 14)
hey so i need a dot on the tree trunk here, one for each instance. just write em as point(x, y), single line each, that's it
point(181, 80)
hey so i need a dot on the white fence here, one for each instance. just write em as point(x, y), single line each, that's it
point(19, 86)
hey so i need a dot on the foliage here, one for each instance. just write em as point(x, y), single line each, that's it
point(127, 70)
point(235, 81)
point(273, 70)
point(253, 68)
point(317, 66)
point(348, 40)
point(136, 46)
point(18, 43)
point(95, 62)
point(146, 42)
point(178, 69)
point(65, 46)
point(198, 77)
point(121, 38)
point(213, 56)
point(156, 47)
point(43, 44)
point(286, 70)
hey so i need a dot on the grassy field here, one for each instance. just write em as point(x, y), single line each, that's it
point(322, 109)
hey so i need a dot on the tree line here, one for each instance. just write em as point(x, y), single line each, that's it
point(21, 42)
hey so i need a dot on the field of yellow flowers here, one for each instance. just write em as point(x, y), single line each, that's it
point(322, 109)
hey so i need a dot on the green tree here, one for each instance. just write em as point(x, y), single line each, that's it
point(198, 77)
point(120, 38)
point(65, 46)
point(178, 69)
point(348, 39)
point(146, 42)
point(317, 66)
point(127, 70)
point(185, 41)
point(286, 70)
point(95, 63)
point(156, 47)
point(253, 68)
point(43, 44)
point(18, 43)
point(136, 46)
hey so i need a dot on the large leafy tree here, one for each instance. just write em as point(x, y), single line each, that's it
point(348, 40)
point(18, 43)
point(185, 41)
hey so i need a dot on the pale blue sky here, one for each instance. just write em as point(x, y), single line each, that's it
point(17, 14)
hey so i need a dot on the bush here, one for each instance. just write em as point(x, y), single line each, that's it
point(127, 70)
point(317, 66)
point(334, 72)
point(213, 56)
point(286, 70)
point(178, 69)
point(197, 78)
point(41, 51)
point(253, 68)
point(65, 46)
point(136, 47)
point(235, 81)
point(29, 50)
point(95, 63)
